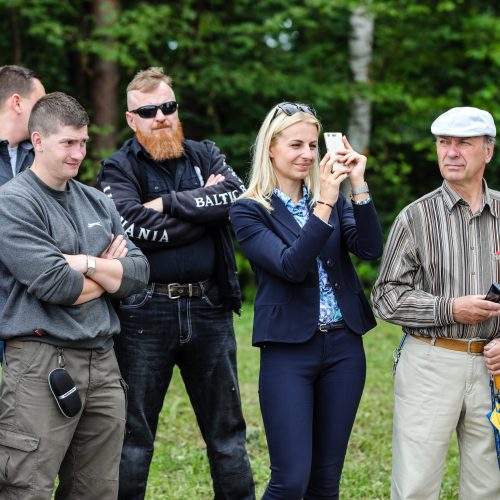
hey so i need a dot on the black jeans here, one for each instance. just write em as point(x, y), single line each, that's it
point(197, 335)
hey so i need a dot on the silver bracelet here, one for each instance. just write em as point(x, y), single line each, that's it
point(90, 265)
point(364, 202)
point(361, 190)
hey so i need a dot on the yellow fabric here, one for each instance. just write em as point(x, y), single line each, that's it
point(495, 416)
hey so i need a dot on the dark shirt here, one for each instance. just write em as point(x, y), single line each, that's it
point(186, 264)
point(25, 157)
point(188, 242)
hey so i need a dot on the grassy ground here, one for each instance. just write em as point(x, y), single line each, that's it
point(180, 470)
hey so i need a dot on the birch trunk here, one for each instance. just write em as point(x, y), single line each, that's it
point(360, 58)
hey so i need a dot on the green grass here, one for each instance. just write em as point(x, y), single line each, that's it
point(179, 470)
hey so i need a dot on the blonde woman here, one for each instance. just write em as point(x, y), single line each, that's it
point(297, 230)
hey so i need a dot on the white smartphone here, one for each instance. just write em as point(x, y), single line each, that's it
point(334, 142)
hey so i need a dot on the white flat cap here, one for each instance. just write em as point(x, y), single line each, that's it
point(464, 122)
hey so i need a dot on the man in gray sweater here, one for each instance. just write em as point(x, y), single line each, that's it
point(63, 257)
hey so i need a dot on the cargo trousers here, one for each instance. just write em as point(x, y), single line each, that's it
point(37, 442)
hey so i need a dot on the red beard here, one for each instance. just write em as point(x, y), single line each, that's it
point(163, 144)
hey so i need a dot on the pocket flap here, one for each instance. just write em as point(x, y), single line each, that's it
point(18, 441)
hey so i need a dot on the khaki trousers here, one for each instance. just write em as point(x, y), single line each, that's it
point(439, 391)
point(37, 442)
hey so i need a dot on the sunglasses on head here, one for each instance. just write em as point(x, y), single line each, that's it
point(290, 108)
point(149, 111)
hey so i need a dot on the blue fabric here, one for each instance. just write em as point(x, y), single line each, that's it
point(494, 398)
point(25, 157)
point(309, 395)
point(283, 255)
point(329, 311)
point(196, 334)
point(310, 383)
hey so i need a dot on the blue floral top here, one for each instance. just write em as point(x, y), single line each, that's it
point(329, 311)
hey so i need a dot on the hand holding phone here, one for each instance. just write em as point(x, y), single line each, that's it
point(334, 143)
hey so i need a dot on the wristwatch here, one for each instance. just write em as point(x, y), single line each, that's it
point(90, 265)
point(361, 190)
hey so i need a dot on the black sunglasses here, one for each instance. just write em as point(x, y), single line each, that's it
point(290, 108)
point(149, 111)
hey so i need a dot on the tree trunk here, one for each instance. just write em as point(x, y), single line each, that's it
point(16, 36)
point(104, 83)
point(360, 57)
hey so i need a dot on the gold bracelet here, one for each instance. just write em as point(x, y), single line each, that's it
point(325, 203)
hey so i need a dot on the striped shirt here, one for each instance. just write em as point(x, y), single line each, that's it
point(438, 250)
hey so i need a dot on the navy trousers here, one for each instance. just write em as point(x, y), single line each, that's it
point(309, 394)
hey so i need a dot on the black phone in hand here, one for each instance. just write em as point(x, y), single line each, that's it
point(493, 293)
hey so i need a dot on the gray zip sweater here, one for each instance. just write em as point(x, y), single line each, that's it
point(37, 286)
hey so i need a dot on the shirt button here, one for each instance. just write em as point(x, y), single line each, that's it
point(336, 286)
point(157, 188)
point(329, 262)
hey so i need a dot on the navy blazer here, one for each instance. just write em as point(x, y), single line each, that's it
point(283, 257)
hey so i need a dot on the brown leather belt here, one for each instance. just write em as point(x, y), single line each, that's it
point(471, 346)
point(177, 290)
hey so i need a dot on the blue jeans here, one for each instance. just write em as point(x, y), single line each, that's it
point(197, 335)
point(309, 394)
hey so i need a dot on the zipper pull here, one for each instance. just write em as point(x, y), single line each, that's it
point(60, 357)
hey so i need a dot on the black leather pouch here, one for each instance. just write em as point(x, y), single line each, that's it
point(493, 293)
point(65, 392)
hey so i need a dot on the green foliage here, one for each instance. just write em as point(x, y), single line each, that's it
point(427, 58)
point(246, 277)
point(232, 61)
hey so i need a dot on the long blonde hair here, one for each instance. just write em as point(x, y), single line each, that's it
point(263, 178)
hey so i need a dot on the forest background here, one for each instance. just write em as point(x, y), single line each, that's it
point(379, 71)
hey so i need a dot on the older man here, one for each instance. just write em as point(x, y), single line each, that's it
point(439, 262)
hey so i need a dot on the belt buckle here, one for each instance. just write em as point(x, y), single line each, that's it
point(323, 327)
point(171, 293)
point(470, 342)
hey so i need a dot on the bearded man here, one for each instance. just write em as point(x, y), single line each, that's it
point(173, 196)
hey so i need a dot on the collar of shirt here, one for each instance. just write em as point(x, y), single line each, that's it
point(299, 210)
point(451, 198)
point(24, 144)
